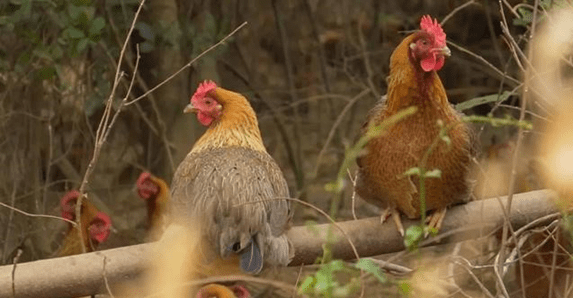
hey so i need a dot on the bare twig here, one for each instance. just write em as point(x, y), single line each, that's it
point(367, 64)
point(105, 278)
point(104, 125)
point(394, 268)
point(335, 126)
point(15, 263)
point(189, 64)
point(353, 198)
point(38, 215)
point(456, 10)
point(292, 91)
point(10, 217)
point(518, 145)
point(481, 59)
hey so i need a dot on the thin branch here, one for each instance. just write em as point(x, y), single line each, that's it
point(292, 91)
point(335, 126)
point(484, 61)
point(102, 131)
point(38, 215)
point(456, 10)
point(188, 64)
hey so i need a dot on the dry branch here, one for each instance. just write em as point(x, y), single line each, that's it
point(82, 275)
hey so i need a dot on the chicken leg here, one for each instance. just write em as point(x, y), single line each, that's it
point(435, 219)
point(391, 211)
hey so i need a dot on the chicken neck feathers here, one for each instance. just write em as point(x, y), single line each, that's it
point(237, 126)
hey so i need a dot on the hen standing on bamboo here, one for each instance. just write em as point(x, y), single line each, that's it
point(413, 81)
point(95, 225)
point(232, 186)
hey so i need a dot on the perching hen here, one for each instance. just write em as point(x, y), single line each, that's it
point(95, 225)
point(413, 81)
point(156, 193)
point(233, 186)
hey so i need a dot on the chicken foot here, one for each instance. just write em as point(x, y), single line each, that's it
point(435, 219)
point(391, 211)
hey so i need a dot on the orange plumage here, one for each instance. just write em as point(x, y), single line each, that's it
point(95, 226)
point(220, 291)
point(413, 81)
point(156, 194)
point(233, 187)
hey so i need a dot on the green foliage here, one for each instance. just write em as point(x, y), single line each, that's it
point(507, 121)
point(468, 104)
point(525, 12)
point(325, 284)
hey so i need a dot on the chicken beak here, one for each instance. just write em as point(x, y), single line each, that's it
point(190, 109)
point(445, 51)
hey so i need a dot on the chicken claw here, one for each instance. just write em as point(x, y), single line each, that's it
point(395, 216)
point(435, 219)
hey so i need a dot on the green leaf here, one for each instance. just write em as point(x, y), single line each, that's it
point(82, 44)
point(307, 285)
point(435, 173)
point(96, 26)
point(46, 73)
point(468, 104)
point(74, 11)
point(56, 52)
point(413, 236)
point(335, 186)
point(405, 288)
point(145, 31)
point(369, 266)
point(336, 265)
point(146, 47)
point(412, 172)
point(74, 33)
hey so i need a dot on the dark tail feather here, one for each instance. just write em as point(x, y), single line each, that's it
point(252, 259)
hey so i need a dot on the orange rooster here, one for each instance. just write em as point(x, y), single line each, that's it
point(95, 225)
point(233, 187)
point(156, 193)
point(413, 81)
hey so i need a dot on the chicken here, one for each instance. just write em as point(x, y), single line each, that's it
point(220, 291)
point(413, 81)
point(156, 193)
point(95, 224)
point(233, 187)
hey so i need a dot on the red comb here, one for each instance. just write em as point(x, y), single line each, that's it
point(203, 88)
point(70, 195)
point(104, 218)
point(65, 201)
point(102, 233)
point(434, 28)
point(142, 177)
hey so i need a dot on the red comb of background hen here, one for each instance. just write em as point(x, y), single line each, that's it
point(67, 209)
point(434, 28)
point(203, 88)
point(144, 176)
point(100, 227)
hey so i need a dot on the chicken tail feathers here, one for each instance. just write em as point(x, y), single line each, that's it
point(252, 259)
